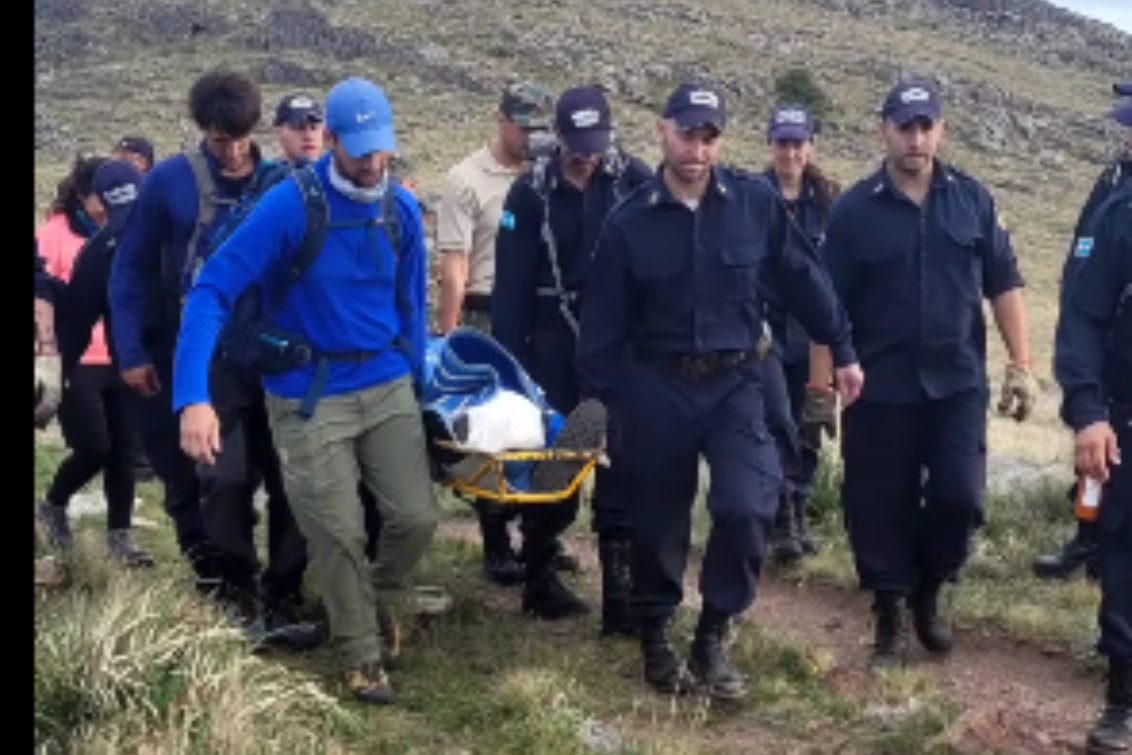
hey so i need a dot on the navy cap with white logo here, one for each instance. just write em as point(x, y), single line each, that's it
point(583, 121)
point(117, 182)
point(297, 110)
point(693, 105)
point(790, 123)
point(910, 100)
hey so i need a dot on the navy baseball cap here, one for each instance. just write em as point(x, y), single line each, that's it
point(583, 121)
point(913, 99)
point(359, 115)
point(694, 105)
point(117, 182)
point(138, 146)
point(789, 122)
point(297, 110)
point(1122, 89)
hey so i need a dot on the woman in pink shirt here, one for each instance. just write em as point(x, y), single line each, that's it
point(93, 414)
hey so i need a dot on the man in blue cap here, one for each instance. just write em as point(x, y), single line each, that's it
point(671, 336)
point(347, 411)
point(913, 250)
point(550, 220)
point(1081, 549)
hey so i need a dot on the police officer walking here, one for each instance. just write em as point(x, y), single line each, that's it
point(913, 249)
point(1093, 366)
point(809, 195)
point(1081, 549)
point(671, 334)
point(549, 224)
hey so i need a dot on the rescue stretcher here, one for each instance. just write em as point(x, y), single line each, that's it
point(467, 367)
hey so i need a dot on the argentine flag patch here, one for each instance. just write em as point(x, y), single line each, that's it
point(1083, 248)
point(507, 220)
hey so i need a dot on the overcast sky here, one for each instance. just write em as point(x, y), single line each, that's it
point(1116, 12)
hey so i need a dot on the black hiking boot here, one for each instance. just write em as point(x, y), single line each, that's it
point(890, 644)
point(282, 626)
point(786, 548)
point(545, 596)
point(56, 526)
point(662, 667)
point(616, 586)
point(708, 663)
point(1112, 733)
point(583, 430)
point(931, 630)
point(123, 550)
point(501, 564)
point(1079, 552)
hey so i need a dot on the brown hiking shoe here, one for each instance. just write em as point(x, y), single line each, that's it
point(369, 684)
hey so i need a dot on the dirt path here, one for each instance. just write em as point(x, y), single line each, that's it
point(1015, 699)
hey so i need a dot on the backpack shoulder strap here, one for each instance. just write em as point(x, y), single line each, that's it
point(206, 204)
point(317, 211)
point(391, 218)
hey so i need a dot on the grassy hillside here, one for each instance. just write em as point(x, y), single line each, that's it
point(1026, 87)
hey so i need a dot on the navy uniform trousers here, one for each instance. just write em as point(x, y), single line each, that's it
point(669, 423)
point(1115, 562)
point(552, 367)
point(913, 486)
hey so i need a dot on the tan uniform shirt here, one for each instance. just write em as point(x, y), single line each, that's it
point(470, 208)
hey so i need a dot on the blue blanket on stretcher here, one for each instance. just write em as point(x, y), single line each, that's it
point(467, 368)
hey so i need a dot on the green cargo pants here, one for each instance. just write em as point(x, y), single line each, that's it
point(376, 434)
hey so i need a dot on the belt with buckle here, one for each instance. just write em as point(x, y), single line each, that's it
point(705, 365)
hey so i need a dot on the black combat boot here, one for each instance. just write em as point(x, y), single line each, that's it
point(800, 508)
point(786, 548)
point(931, 630)
point(1112, 733)
point(500, 563)
point(890, 643)
point(663, 670)
point(707, 660)
point(616, 585)
point(1079, 551)
point(545, 596)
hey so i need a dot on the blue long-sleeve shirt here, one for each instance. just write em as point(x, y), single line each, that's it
point(345, 302)
point(146, 276)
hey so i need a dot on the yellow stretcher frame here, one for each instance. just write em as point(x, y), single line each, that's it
point(470, 484)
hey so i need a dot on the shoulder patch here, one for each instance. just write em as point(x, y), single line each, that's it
point(1083, 248)
point(507, 220)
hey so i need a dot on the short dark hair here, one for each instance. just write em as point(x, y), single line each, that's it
point(227, 101)
point(76, 185)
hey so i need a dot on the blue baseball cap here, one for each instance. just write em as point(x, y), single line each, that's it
point(1122, 113)
point(117, 183)
point(693, 105)
point(1122, 89)
point(789, 122)
point(359, 115)
point(910, 100)
point(583, 121)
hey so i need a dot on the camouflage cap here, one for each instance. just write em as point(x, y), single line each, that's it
point(528, 105)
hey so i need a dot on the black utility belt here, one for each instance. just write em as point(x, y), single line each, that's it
point(703, 365)
point(476, 302)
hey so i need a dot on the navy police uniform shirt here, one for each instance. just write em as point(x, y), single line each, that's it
point(672, 280)
point(522, 296)
point(789, 335)
point(912, 279)
point(1114, 177)
point(1092, 362)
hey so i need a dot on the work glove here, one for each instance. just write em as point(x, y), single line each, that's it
point(819, 412)
point(1019, 392)
point(48, 388)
